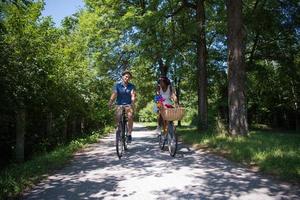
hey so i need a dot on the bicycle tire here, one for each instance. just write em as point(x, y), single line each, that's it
point(172, 139)
point(161, 141)
point(119, 143)
point(125, 136)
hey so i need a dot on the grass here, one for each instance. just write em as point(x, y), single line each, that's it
point(276, 153)
point(17, 177)
point(272, 152)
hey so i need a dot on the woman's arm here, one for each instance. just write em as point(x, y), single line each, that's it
point(173, 95)
point(157, 90)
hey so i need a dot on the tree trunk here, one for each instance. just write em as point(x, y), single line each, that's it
point(297, 122)
point(73, 126)
point(65, 131)
point(238, 124)
point(49, 124)
point(82, 125)
point(20, 133)
point(177, 83)
point(162, 67)
point(201, 66)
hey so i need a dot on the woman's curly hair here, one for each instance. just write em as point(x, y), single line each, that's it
point(164, 79)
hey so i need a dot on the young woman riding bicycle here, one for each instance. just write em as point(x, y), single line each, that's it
point(166, 94)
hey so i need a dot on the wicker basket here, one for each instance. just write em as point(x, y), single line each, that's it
point(172, 114)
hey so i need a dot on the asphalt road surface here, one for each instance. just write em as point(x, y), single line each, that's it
point(146, 172)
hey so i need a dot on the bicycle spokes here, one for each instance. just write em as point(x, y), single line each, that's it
point(119, 143)
point(125, 137)
point(169, 138)
point(121, 133)
point(161, 141)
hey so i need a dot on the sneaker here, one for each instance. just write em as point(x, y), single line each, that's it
point(129, 138)
point(164, 138)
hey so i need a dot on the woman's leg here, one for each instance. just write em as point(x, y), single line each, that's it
point(158, 120)
point(164, 125)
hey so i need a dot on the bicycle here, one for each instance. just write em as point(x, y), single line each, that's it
point(121, 132)
point(170, 137)
point(169, 115)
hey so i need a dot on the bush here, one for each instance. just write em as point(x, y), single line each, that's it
point(190, 116)
point(147, 114)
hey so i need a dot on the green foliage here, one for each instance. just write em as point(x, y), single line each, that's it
point(25, 70)
point(190, 116)
point(273, 40)
point(147, 114)
point(49, 71)
point(145, 83)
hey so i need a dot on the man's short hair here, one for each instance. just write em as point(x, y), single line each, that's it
point(127, 72)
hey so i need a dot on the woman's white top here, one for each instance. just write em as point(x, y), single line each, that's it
point(166, 95)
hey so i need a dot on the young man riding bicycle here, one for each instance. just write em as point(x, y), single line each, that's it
point(124, 94)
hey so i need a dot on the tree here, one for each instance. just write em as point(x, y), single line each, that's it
point(23, 68)
point(238, 124)
point(201, 65)
point(272, 68)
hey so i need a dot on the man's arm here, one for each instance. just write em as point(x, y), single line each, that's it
point(133, 97)
point(112, 99)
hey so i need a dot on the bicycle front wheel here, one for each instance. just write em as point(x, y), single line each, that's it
point(161, 141)
point(119, 143)
point(172, 139)
point(125, 136)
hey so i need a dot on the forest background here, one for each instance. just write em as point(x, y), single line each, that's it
point(55, 82)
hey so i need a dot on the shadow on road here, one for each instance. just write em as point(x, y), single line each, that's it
point(145, 172)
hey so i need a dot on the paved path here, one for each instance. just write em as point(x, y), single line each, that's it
point(145, 172)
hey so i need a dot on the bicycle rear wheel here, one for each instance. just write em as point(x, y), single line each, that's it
point(119, 142)
point(172, 139)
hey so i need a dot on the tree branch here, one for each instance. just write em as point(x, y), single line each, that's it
point(189, 5)
point(176, 11)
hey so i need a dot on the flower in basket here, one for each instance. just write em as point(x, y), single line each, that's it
point(158, 98)
point(169, 106)
point(159, 101)
point(159, 104)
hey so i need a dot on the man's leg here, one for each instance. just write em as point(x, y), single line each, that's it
point(118, 114)
point(130, 122)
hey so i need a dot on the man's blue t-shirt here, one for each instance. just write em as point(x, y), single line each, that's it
point(123, 93)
